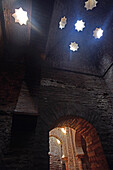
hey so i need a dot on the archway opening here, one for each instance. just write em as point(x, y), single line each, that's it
point(81, 146)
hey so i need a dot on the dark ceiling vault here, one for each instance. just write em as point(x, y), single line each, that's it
point(46, 38)
point(88, 56)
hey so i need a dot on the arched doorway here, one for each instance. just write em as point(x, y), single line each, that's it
point(86, 150)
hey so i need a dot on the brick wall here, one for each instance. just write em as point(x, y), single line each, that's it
point(61, 94)
point(80, 95)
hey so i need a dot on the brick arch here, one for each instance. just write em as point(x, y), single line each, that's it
point(78, 145)
point(81, 152)
point(95, 152)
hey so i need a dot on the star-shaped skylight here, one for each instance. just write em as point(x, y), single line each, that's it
point(63, 22)
point(90, 4)
point(80, 25)
point(97, 33)
point(74, 46)
point(20, 16)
